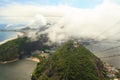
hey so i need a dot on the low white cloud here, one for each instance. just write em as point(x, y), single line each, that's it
point(99, 23)
point(37, 22)
point(16, 13)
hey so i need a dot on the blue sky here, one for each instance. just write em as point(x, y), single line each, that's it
point(73, 3)
point(20, 11)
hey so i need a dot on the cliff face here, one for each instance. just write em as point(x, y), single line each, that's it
point(70, 62)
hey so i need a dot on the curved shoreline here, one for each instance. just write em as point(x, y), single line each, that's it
point(5, 62)
point(33, 59)
point(14, 60)
point(9, 39)
point(29, 58)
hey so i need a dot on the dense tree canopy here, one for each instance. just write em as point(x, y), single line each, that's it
point(20, 47)
point(70, 63)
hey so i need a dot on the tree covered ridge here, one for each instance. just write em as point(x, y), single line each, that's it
point(70, 63)
point(11, 49)
point(20, 48)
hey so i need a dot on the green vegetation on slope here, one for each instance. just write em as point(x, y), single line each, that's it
point(70, 63)
point(11, 49)
point(20, 48)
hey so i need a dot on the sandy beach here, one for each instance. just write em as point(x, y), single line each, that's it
point(30, 58)
point(19, 33)
point(33, 59)
point(5, 62)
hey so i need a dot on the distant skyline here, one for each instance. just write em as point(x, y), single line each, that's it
point(21, 11)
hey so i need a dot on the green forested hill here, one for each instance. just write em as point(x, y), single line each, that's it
point(20, 47)
point(70, 62)
point(11, 49)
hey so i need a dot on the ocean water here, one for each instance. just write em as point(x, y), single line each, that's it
point(19, 70)
point(7, 35)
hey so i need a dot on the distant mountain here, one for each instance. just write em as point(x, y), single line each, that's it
point(11, 26)
point(71, 61)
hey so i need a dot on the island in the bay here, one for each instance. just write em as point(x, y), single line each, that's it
point(67, 61)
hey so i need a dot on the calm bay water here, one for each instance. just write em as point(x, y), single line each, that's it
point(19, 70)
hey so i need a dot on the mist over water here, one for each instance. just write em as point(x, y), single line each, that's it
point(98, 26)
point(98, 29)
point(101, 25)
